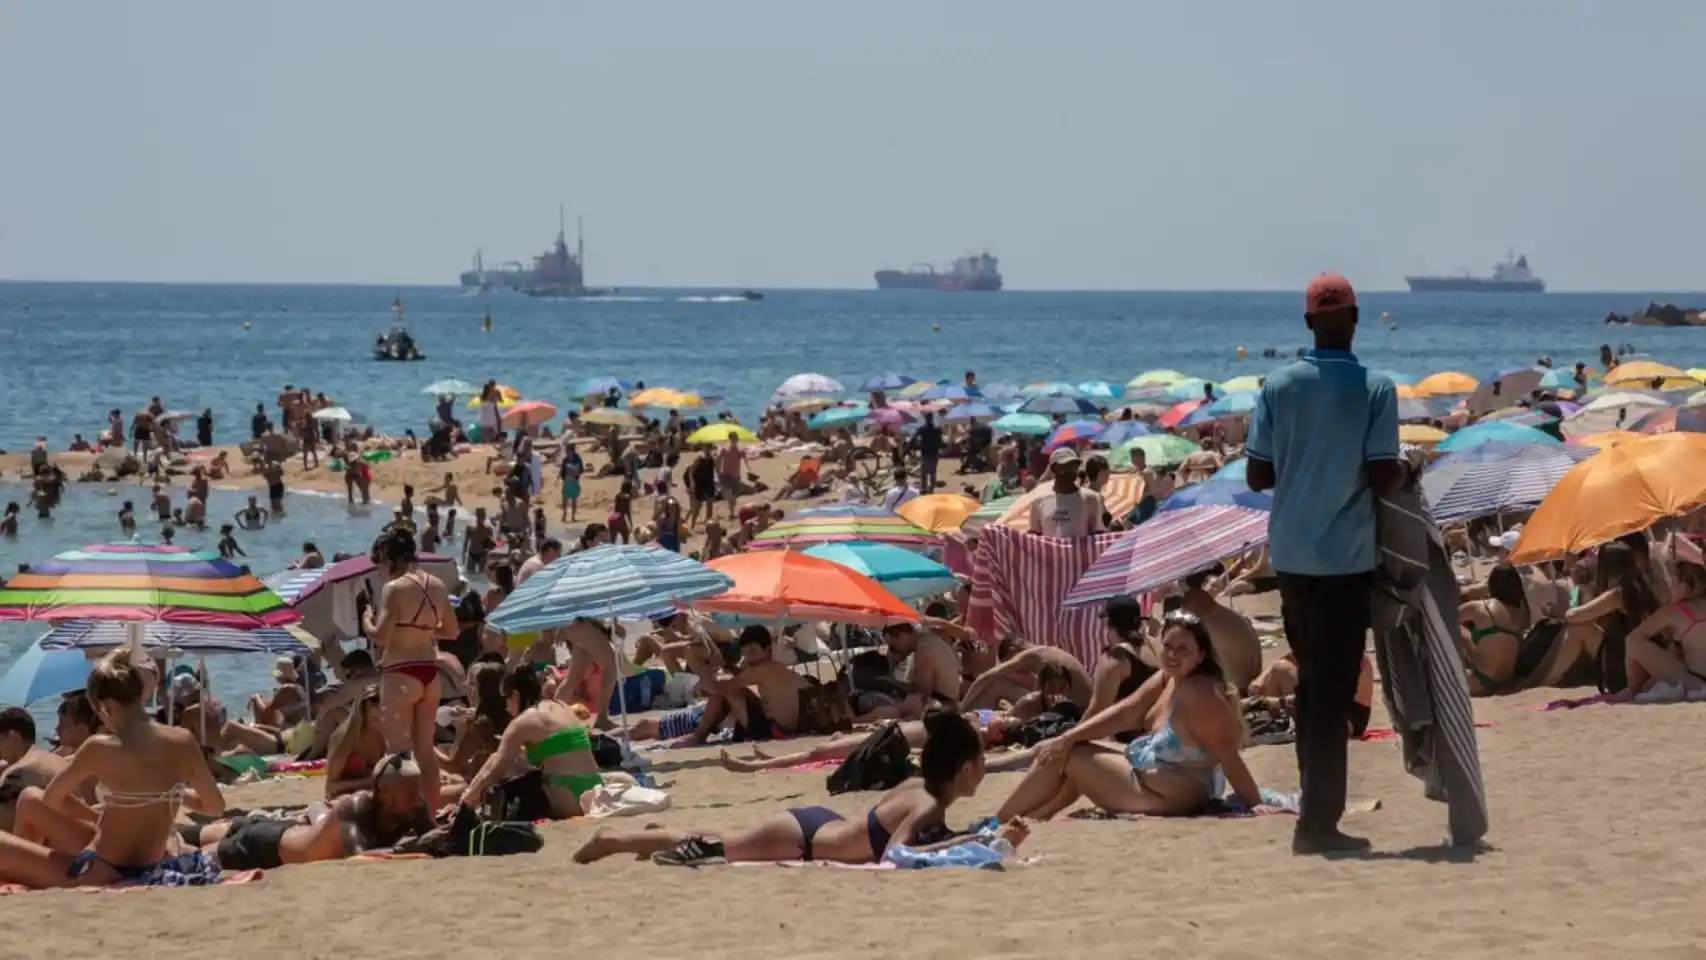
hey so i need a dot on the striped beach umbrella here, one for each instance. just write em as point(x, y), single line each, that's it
point(840, 522)
point(1050, 404)
point(1074, 431)
point(187, 637)
point(1460, 489)
point(1169, 548)
point(611, 582)
point(907, 575)
point(141, 582)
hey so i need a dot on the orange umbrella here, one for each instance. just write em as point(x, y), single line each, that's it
point(939, 512)
point(528, 413)
point(1607, 438)
point(784, 585)
point(1447, 382)
point(1628, 486)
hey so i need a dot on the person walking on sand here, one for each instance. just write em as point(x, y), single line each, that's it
point(1324, 439)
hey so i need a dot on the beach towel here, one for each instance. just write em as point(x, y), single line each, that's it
point(1421, 672)
point(1018, 581)
point(1225, 808)
point(189, 870)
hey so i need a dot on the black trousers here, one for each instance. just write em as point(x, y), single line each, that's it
point(1326, 622)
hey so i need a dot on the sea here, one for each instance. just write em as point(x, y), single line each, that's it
point(71, 352)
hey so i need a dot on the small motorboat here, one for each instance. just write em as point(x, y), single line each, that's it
point(751, 295)
point(397, 345)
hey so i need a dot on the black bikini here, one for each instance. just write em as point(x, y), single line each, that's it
point(813, 819)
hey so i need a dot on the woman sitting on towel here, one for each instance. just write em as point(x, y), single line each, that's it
point(551, 736)
point(951, 769)
point(1193, 729)
point(1625, 598)
point(1678, 669)
point(144, 772)
point(1492, 632)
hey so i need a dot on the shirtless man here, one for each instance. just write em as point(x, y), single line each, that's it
point(251, 517)
point(477, 541)
point(385, 817)
point(1236, 644)
point(22, 763)
point(311, 558)
point(1015, 675)
point(161, 502)
point(935, 670)
point(413, 614)
point(774, 710)
point(195, 512)
point(127, 517)
point(446, 494)
point(273, 472)
point(731, 465)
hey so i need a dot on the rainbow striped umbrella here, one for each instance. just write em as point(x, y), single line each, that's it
point(141, 582)
point(839, 523)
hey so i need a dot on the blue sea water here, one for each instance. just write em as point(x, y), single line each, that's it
point(71, 352)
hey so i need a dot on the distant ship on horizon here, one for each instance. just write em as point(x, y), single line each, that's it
point(1509, 276)
point(555, 273)
point(972, 272)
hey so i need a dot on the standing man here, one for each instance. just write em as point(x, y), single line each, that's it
point(1067, 510)
point(929, 440)
point(1324, 438)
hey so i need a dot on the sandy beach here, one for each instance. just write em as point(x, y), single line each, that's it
point(1592, 854)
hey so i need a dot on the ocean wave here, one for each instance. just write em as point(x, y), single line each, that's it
point(711, 300)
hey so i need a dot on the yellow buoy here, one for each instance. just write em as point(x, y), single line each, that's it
point(1242, 353)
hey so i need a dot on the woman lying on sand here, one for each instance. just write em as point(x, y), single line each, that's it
point(952, 768)
point(143, 771)
point(551, 736)
point(1194, 732)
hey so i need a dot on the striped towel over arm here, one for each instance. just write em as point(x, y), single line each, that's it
point(1018, 582)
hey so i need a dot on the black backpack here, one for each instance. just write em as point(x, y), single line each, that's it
point(882, 761)
point(470, 836)
point(1050, 723)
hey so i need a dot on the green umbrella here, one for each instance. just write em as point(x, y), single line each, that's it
point(1034, 424)
point(1160, 450)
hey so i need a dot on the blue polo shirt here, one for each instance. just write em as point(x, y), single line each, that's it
point(1319, 421)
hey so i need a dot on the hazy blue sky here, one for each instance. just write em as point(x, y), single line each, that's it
point(1088, 143)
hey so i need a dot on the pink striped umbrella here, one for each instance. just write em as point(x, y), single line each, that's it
point(891, 417)
point(1172, 546)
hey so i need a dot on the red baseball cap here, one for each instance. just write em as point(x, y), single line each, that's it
point(1328, 291)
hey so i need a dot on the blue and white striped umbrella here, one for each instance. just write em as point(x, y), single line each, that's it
point(1459, 489)
point(289, 584)
point(606, 583)
point(190, 638)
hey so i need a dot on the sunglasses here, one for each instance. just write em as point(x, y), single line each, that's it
point(1181, 617)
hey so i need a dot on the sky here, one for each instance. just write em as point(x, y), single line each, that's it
point(1090, 144)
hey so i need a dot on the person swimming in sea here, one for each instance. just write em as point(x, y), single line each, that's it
point(252, 517)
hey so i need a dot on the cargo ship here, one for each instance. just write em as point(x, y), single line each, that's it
point(1510, 276)
point(980, 272)
point(555, 273)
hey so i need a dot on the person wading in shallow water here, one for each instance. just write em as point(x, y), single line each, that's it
point(1324, 439)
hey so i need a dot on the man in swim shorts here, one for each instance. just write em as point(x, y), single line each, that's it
point(22, 763)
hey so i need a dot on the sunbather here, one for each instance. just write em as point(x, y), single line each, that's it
point(144, 771)
point(1015, 676)
point(951, 770)
point(1194, 730)
point(1678, 668)
point(553, 738)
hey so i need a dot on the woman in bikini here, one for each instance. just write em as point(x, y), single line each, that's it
point(912, 814)
point(485, 721)
point(1192, 731)
point(1676, 669)
point(1624, 599)
point(551, 737)
point(1492, 632)
point(413, 615)
point(357, 745)
point(144, 773)
point(1126, 662)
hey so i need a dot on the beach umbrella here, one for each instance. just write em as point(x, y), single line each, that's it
point(527, 413)
point(886, 382)
point(789, 586)
point(1238, 471)
point(1074, 431)
point(890, 416)
point(611, 582)
point(1230, 405)
point(610, 417)
point(907, 575)
point(938, 512)
point(1098, 388)
point(1496, 431)
point(1562, 378)
point(1624, 488)
point(1212, 492)
point(1177, 413)
point(955, 392)
point(1168, 548)
point(338, 415)
point(1672, 420)
point(1117, 432)
point(326, 597)
point(1144, 408)
point(1053, 404)
point(666, 398)
point(1461, 489)
point(38, 674)
point(1159, 450)
point(1640, 373)
point(1615, 410)
point(506, 395)
point(1504, 391)
point(451, 387)
point(1192, 389)
point(598, 386)
point(1120, 496)
point(1239, 384)
point(839, 522)
point(975, 411)
point(803, 384)
point(1032, 424)
point(1697, 399)
point(837, 417)
point(1149, 378)
point(990, 512)
point(814, 404)
point(1420, 433)
point(1418, 408)
point(1446, 383)
point(721, 432)
point(1530, 418)
point(1599, 441)
point(1000, 390)
point(1051, 388)
point(913, 391)
point(140, 582)
point(89, 635)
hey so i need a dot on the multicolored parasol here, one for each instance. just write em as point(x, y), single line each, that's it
point(837, 523)
point(1168, 548)
point(141, 582)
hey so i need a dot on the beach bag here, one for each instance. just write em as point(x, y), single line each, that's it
point(471, 836)
point(522, 798)
point(882, 761)
point(607, 751)
point(1050, 723)
point(824, 708)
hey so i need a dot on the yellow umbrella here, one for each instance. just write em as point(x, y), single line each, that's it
point(939, 512)
point(1627, 487)
point(506, 395)
point(1640, 371)
point(811, 404)
point(1407, 390)
point(721, 432)
point(665, 398)
point(1238, 384)
point(1698, 373)
point(610, 417)
point(1600, 441)
point(916, 387)
point(1420, 433)
point(1157, 378)
point(1446, 382)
